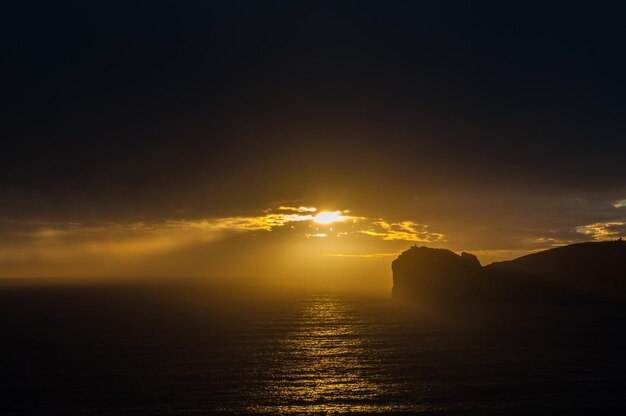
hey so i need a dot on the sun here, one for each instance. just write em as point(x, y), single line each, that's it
point(326, 217)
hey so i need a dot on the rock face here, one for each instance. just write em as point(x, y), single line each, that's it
point(578, 272)
point(432, 272)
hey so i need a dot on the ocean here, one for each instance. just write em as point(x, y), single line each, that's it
point(109, 350)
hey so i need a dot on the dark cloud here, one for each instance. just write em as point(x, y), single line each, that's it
point(499, 123)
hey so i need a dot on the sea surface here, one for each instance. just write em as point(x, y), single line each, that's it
point(135, 351)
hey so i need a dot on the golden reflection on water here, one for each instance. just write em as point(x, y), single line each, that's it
point(323, 365)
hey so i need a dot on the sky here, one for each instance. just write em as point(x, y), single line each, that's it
point(304, 141)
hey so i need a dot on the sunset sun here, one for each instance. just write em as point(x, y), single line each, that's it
point(326, 217)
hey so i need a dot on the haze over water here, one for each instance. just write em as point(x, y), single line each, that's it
point(136, 350)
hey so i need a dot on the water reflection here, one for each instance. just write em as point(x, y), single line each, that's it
point(326, 363)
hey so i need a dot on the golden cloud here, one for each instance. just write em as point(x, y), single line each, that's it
point(405, 231)
point(27, 242)
point(604, 231)
point(620, 204)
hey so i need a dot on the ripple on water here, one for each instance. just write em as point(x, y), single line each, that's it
point(329, 360)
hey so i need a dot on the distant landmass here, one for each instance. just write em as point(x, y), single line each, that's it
point(584, 272)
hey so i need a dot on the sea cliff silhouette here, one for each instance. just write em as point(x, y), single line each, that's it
point(584, 272)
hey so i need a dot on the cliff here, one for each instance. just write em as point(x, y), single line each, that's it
point(578, 272)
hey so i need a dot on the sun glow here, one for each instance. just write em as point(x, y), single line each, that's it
point(326, 217)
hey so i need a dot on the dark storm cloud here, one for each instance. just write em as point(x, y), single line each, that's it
point(139, 110)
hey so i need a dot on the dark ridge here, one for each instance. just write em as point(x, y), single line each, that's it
point(584, 272)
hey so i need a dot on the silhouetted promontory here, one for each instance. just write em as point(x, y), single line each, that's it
point(584, 272)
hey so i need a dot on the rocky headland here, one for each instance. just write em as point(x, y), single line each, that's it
point(584, 272)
